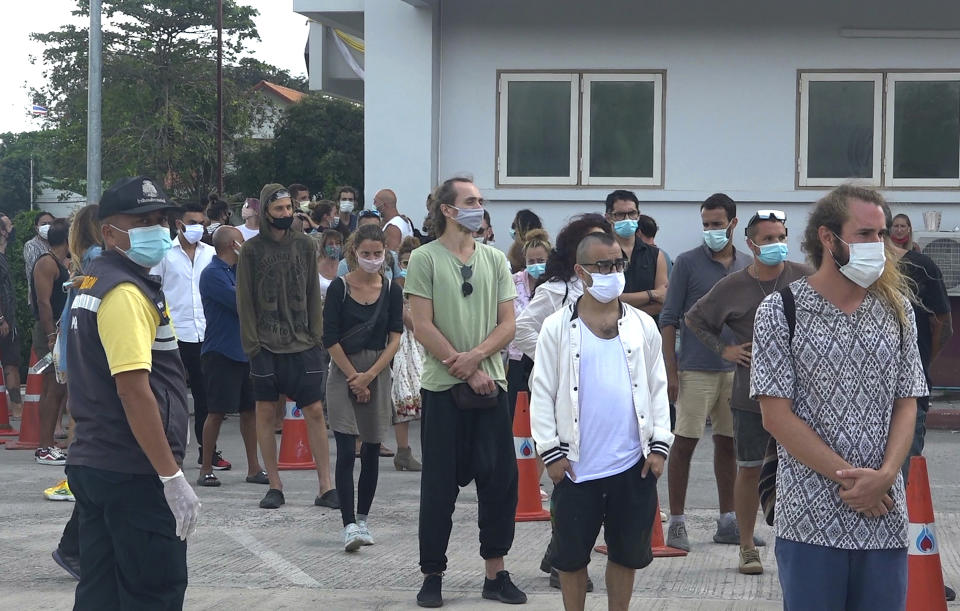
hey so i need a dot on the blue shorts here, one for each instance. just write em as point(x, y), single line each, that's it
point(833, 579)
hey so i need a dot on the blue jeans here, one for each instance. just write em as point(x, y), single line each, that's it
point(815, 577)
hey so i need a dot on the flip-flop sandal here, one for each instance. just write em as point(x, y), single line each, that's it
point(208, 479)
point(259, 478)
point(386, 452)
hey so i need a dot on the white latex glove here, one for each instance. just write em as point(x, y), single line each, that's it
point(183, 503)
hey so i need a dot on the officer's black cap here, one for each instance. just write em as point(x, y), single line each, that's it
point(133, 195)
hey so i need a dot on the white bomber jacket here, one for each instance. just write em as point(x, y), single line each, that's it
point(554, 383)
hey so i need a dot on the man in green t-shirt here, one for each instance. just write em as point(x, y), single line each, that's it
point(461, 296)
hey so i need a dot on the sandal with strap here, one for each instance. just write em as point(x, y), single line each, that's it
point(208, 479)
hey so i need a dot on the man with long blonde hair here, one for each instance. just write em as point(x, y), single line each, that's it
point(837, 373)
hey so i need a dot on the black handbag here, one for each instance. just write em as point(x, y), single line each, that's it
point(358, 336)
point(465, 397)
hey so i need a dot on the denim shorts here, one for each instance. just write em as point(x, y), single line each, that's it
point(833, 579)
point(750, 438)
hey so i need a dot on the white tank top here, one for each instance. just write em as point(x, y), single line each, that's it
point(406, 229)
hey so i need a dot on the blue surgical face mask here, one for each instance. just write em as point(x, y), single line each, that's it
point(403, 273)
point(536, 269)
point(716, 239)
point(625, 228)
point(148, 245)
point(772, 254)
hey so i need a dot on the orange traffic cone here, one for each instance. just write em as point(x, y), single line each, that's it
point(5, 429)
point(294, 442)
point(30, 424)
point(925, 576)
point(529, 506)
point(657, 545)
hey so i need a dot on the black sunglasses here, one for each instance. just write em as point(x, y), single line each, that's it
point(606, 266)
point(466, 272)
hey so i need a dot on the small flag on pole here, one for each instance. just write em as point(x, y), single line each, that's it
point(39, 110)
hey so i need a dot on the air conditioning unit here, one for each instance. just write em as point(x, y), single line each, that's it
point(944, 248)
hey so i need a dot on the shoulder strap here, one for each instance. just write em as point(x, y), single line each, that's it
point(789, 309)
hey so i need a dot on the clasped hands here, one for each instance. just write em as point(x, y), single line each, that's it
point(465, 366)
point(359, 383)
point(866, 491)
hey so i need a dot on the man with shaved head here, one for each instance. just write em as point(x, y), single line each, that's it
point(395, 225)
point(601, 422)
point(225, 366)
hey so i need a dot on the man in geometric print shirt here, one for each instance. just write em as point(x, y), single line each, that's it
point(839, 395)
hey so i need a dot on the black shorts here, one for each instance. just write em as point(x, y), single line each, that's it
point(625, 504)
point(10, 347)
point(298, 376)
point(229, 389)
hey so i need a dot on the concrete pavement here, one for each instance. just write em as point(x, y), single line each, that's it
point(292, 558)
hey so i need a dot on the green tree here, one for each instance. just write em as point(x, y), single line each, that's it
point(318, 142)
point(15, 153)
point(159, 91)
point(23, 223)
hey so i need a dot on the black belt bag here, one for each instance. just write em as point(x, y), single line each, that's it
point(465, 397)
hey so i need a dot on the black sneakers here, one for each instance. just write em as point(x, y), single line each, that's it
point(330, 498)
point(429, 594)
point(502, 589)
point(272, 500)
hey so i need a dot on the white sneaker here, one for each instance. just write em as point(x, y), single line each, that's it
point(352, 537)
point(365, 537)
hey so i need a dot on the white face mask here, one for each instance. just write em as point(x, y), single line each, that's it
point(43, 231)
point(346, 205)
point(192, 233)
point(867, 260)
point(607, 287)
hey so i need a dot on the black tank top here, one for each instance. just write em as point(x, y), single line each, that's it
point(58, 297)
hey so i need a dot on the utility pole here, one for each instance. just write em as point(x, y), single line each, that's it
point(94, 125)
point(219, 98)
point(31, 181)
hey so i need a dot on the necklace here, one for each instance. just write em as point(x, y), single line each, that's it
point(776, 281)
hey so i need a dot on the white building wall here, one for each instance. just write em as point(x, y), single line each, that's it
point(399, 110)
point(731, 93)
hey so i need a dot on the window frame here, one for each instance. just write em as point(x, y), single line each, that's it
point(503, 80)
point(580, 129)
point(803, 112)
point(888, 146)
point(656, 180)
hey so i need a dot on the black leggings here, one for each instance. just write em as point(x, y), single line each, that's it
point(369, 471)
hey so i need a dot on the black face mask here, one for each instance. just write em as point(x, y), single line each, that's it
point(282, 223)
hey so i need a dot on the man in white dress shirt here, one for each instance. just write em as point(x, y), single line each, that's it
point(180, 276)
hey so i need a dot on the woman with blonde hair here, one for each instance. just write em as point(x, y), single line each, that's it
point(535, 251)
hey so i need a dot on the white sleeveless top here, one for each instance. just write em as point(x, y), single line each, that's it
point(406, 229)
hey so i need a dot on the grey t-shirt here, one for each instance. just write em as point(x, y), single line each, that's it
point(733, 302)
point(694, 274)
